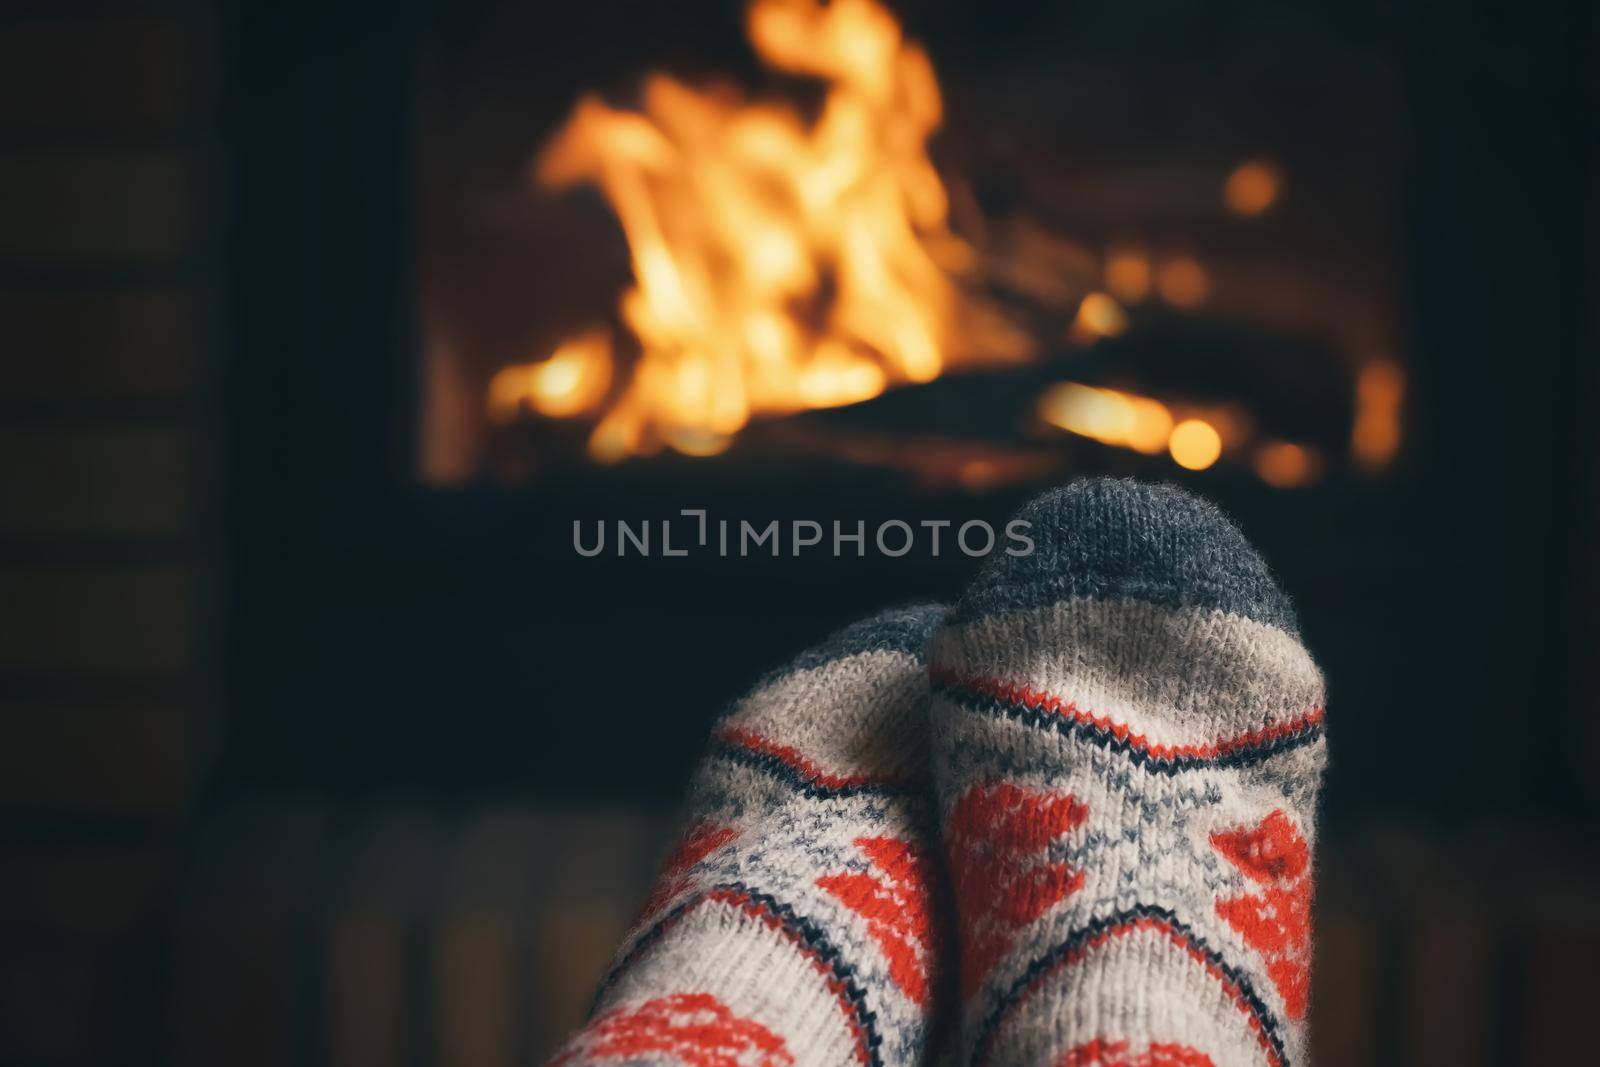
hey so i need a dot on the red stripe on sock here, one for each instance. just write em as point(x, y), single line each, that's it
point(1015, 693)
point(797, 761)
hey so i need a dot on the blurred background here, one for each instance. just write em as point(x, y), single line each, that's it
point(327, 320)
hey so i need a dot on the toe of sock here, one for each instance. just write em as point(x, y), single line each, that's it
point(1120, 539)
point(900, 629)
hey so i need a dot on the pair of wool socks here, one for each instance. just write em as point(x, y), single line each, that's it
point(1067, 823)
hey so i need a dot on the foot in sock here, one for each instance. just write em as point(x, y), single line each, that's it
point(799, 921)
point(1128, 746)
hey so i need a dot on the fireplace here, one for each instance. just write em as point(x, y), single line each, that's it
point(1243, 251)
point(807, 240)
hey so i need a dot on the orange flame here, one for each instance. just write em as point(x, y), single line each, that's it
point(571, 382)
point(778, 263)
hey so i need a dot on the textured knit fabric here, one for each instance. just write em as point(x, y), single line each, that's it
point(1128, 745)
point(798, 922)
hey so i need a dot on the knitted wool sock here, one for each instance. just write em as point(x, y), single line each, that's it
point(1128, 746)
point(798, 921)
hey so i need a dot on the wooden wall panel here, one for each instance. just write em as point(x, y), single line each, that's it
point(135, 621)
point(74, 347)
point(125, 207)
point(106, 759)
point(114, 481)
point(133, 74)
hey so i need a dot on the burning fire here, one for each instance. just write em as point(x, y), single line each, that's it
point(780, 262)
point(787, 258)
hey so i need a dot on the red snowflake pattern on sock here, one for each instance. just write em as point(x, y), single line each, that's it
point(895, 899)
point(1102, 1053)
point(1276, 921)
point(1002, 881)
point(701, 841)
point(694, 1029)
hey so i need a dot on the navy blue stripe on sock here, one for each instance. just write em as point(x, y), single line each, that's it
point(798, 780)
point(803, 930)
point(1043, 718)
point(1247, 998)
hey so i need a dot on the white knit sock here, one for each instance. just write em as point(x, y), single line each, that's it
point(1128, 746)
point(798, 922)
